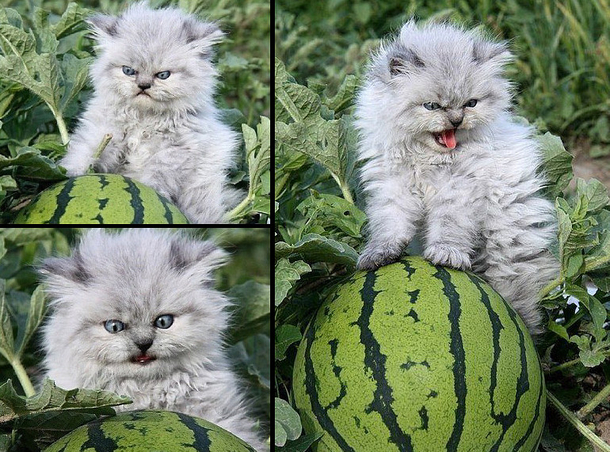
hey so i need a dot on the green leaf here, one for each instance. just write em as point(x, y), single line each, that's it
point(293, 101)
point(344, 95)
point(304, 125)
point(285, 336)
point(301, 444)
point(71, 21)
point(598, 257)
point(75, 75)
point(253, 301)
point(53, 411)
point(35, 316)
point(7, 345)
point(557, 162)
point(30, 163)
point(286, 274)
point(51, 398)
point(316, 248)
point(595, 192)
point(287, 422)
point(258, 153)
point(254, 355)
point(558, 329)
point(330, 211)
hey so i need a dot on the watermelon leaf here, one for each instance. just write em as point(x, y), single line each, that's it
point(305, 125)
point(301, 444)
point(52, 411)
point(258, 154)
point(252, 312)
point(285, 336)
point(34, 318)
point(287, 422)
point(332, 212)
point(317, 248)
point(286, 274)
point(557, 163)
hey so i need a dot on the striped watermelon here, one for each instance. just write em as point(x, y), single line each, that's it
point(150, 431)
point(415, 357)
point(100, 199)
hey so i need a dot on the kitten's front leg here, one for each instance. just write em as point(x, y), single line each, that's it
point(451, 226)
point(393, 211)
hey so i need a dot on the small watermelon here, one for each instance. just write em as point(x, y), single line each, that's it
point(149, 431)
point(417, 357)
point(100, 199)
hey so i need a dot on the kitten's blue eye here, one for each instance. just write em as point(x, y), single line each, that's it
point(431, 106)
point(164, 321)
point(114, 326)
point(471, 103)
point(128, 70)
point(163, 75)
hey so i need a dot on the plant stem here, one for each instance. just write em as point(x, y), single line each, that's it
point(61, 125)
point(599, 398)
point(102, 146)
point(344, 188)
point(22, 375)
point(237, 211)
point(570, 363)
point(549, 287)
point(582, 428)
point(565, 365)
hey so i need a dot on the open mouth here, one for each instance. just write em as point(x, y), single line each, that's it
point(446, 138)
point(143, 359)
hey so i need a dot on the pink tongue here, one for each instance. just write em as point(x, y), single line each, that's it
point(448, 137)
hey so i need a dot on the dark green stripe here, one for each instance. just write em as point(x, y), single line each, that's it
point(202, 440)
point(63, 199)
point(311, 387)
point(337, 371)
point(136, 202)
point(523, 384)
point(459, 356)
point(96, 439)
point(530, 429)
point(375, 361)
point(168, 213)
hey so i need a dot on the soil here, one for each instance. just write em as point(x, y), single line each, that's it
point(586, 167)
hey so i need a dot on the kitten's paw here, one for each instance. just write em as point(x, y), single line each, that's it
point(374, 257)
point(447, 256)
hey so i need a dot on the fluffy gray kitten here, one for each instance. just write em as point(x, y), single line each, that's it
point(136, 313)
point(443, 157)
point(153, 84)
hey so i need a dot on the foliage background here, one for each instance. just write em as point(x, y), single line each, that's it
point(561, 72)
point(35, 105)
point(245, 279)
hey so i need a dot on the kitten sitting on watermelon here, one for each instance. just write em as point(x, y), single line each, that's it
point(136, 313)
point(444, 157)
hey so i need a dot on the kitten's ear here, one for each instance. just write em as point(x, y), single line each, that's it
point(71, 269)
point(63, 275)
point(403, 61)
point(202, 35)
point(103, 26)
point(198, 258)
point(484, 51)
